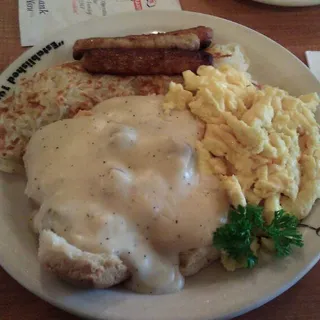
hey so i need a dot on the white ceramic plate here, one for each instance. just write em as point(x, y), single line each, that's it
point(213, 293)
point(291, 3)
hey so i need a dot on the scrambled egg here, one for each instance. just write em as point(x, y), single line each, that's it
point(262, 143)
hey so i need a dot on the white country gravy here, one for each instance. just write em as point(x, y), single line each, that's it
point(124, 180)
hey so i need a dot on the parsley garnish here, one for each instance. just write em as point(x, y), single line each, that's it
point(283, 231)
point(246, 224)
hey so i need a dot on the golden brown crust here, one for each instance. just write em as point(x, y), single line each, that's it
point(186, 41)
point(91, 270)
point(78, 267)
point(205, 35)
point(192, 261)
point(144, 62)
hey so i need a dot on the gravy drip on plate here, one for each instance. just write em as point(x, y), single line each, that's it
point(124, 180)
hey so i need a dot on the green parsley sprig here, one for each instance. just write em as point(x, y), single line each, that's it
point(246, 225)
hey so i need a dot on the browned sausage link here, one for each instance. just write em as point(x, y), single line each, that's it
point(144, 62)
point(187, 41)
point(205, 34)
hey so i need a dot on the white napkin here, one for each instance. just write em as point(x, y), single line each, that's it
point(313, 59)
point(40, 18)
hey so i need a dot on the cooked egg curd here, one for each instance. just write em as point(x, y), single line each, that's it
point(263, 143)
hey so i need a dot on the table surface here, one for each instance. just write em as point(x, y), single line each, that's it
point(298, 29)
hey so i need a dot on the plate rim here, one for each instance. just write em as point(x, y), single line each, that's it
point(294, 3)
point(236, 313)
point(241, 310)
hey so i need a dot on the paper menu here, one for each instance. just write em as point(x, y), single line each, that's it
point(313, 59)
point(40, 18)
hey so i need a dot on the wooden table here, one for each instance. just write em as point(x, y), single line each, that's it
point(298, 29)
